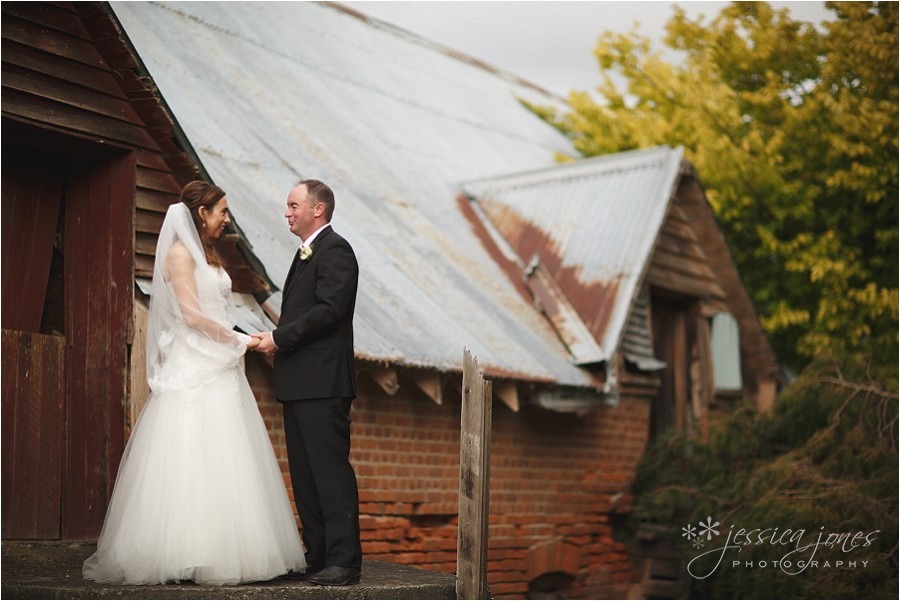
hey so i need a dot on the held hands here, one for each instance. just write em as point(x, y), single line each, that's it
point(263, 343)
point(252, 343)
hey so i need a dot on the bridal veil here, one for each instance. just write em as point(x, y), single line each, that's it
point(186, 302)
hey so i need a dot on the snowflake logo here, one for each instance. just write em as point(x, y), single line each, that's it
point(697, 543)
point(708, 528)
point(689, 532)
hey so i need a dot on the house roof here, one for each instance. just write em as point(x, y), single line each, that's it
point(591, 225)
point(268, 93)
point(412, 137)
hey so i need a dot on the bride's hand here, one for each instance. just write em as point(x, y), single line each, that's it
point(254, 342)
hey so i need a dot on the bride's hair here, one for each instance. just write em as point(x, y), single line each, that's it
point(198, 194)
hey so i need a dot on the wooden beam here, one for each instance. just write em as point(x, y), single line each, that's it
point(474, 483)
point(680, 363)
point(702, 374)
point(430, 384)
point(508, 393)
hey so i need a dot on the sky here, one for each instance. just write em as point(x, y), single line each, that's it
point(549, 44)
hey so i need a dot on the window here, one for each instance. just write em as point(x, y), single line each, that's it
point(726, 353)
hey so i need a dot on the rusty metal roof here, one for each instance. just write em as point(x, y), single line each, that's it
point(271, 92)
point(591, 224)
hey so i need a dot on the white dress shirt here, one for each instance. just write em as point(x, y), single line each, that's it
point(312, 236)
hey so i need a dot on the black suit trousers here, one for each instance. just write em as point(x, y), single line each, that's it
point(317, 433)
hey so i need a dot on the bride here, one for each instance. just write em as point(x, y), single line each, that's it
point(199, 495)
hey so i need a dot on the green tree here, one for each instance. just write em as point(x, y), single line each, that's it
point(794, 133)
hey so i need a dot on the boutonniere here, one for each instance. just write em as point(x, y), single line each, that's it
point(306, 252)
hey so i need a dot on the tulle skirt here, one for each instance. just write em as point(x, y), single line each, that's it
point(199, 494)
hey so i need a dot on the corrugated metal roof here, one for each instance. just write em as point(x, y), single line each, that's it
point(592, 223)
point(269, 92)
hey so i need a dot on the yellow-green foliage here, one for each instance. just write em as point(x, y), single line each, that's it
point(794, 133)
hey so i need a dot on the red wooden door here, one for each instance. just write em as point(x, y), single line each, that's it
point(67, 269)
point(32, 193)
point(33, 413)
point(33, 363)
point(99, 290)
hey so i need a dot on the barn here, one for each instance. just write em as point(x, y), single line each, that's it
point(598, 296)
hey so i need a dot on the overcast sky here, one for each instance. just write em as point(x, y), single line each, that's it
point(547, 43)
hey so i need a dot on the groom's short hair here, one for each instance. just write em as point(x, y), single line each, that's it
point(319, 192)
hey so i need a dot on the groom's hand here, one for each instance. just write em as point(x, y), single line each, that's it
point(266, 344)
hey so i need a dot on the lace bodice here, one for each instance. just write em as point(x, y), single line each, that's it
point(224, 282)
point(217, 302)
point(199, 350)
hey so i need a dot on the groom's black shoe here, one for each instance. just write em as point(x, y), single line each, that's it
point(335, 576)
point(292, 575)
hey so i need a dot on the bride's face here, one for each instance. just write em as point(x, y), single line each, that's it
point(216, 220)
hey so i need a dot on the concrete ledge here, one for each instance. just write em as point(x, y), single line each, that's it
point(53, 571)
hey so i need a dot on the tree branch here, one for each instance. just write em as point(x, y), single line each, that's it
point(868, 389)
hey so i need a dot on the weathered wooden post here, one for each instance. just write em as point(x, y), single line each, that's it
point(474, 483)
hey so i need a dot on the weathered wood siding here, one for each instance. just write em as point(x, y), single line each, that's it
point(33, 428)
point(99, 294)
point(678, 263)
point(760, 365)
point(55, 76)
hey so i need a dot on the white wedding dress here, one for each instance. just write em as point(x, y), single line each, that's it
point(199, 495)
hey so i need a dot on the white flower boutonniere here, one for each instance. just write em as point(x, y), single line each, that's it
point(305, 252)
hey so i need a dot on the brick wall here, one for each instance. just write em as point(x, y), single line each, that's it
point(556, 482)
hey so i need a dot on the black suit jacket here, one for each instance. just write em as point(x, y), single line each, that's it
point(315, 331)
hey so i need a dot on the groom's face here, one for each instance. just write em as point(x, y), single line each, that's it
point(301, 213)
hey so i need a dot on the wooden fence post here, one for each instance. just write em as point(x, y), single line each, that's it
point(474, 483)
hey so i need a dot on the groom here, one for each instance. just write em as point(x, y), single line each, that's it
point(315, 380)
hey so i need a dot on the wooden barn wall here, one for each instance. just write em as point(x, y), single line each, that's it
point(679, 264)
point(760, 365)
point(65, 101)
point(33, 368)
point(558, 483)
point(99, 294)
point(57, 75)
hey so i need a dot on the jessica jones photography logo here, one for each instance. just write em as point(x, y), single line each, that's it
point(793, 551)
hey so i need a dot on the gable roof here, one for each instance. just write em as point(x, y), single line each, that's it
point(591, 224)
point(269, 93)
point(595, 228)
